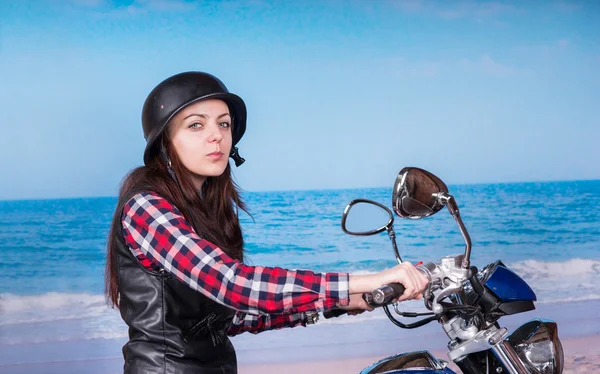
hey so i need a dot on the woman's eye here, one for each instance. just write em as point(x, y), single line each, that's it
point(225, 124)
point(195, 125)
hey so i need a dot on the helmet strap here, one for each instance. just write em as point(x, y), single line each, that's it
point(234, 154)
point(236, 157)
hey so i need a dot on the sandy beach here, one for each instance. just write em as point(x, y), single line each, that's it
point(582, 355)
point(578, 331)
point(333, 346)
point(58, 321)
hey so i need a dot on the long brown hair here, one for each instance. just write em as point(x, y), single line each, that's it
point(213, 211)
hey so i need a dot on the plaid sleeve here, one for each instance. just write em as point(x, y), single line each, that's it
point(252, 323)
point(154, 226)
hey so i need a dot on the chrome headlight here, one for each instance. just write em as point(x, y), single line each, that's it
point(538, 346)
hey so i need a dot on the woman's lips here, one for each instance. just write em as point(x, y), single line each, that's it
point(215, 155)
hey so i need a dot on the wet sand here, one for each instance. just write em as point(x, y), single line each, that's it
point(345, 345)
point(582, 356)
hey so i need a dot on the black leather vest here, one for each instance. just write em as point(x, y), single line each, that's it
point(172, 328)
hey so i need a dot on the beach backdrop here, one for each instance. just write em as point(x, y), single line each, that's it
point(52, 308)
point(497, 98)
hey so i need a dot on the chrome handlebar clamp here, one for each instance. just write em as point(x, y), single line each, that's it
point(445, 279)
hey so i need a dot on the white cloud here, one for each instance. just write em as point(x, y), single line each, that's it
point(88, 3)
point(163, 5)
point(451, 10)
point(137, 7)
point(487, 65)
point(404, 68)
point(549, 49)
point(569, 6)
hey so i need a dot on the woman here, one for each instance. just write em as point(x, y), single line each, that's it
point(175, 252)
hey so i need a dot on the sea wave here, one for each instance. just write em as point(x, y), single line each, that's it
point(575, 267)
point(75, 316)
point(52, 306)
point(57, 317)
point(575, 279)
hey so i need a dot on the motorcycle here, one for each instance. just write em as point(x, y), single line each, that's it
point(465, 301)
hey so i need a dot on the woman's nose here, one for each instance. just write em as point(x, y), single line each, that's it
point(215, 136)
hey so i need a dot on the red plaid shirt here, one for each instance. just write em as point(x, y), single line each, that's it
point(265, 298)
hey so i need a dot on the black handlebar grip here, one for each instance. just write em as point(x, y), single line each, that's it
point(381, 296)
point(384, 294)
point(334, 313)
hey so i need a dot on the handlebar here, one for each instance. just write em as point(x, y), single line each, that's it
point(380, 297)
point(384, 294)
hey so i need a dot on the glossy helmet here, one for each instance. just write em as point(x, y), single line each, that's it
point(175, 93)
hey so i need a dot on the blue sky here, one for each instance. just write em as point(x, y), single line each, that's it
point(339, 93)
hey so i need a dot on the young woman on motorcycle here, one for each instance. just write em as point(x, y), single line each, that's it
point(175, 261)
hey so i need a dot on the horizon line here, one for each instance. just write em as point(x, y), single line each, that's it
point(312, 189)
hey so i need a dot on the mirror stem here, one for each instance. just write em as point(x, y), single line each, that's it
point(450, 203)
point(392, 236)
point(453, 208)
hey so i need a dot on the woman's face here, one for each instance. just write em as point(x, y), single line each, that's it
point(201, 136)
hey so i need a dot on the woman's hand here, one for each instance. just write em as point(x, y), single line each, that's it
point(406, 274)
point(357, 305)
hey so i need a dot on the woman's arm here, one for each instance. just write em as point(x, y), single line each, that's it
point(254, 324)
point(154, 226)
point(245, 322)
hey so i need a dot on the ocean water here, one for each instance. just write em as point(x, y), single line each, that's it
point(52, 252)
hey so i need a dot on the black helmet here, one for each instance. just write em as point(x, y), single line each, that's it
point(175, 93)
